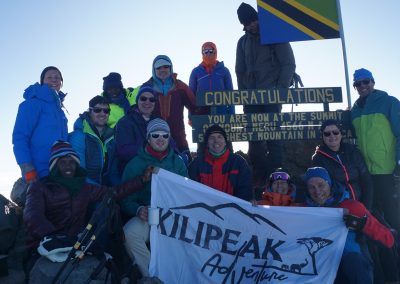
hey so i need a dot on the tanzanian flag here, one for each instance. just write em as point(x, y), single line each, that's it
point(297, 20)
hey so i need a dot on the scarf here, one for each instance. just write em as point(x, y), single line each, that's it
point(163, 87)
point(121, 101)
point(158, 155)
point(74, 184)
point(217, 155)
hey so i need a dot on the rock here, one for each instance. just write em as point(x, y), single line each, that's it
point(44, 271)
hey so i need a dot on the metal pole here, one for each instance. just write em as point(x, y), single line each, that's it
point(346, 71)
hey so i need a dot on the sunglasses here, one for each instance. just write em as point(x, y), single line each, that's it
point(279, 176)
point(143, 99)
point(163, 67)
point(208, 51)
point(156, 135)
point(361, 82)
point(328, 133)
point(99, 109)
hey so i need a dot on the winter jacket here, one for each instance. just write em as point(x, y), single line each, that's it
point(262, 66)
point(218, 80)
point(372, 229)
point(40, 122)
point(130, 136)
point(50, 209)
point(348, 167)
point(228, 173)
point(277, 199)
point(170, 108)
point(97, 155)
point(377, 126)
point(117, 112)
point(172, 162)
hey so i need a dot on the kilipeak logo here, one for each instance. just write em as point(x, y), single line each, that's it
point(228, 246)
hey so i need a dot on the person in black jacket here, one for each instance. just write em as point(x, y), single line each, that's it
point(344, 163)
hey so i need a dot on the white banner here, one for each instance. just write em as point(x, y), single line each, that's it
point(206, 236)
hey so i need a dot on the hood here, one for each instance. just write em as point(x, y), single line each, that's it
point(78, 124)
point(42, 92)
point(166, 58)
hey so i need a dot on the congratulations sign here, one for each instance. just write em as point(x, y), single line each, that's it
point(206, 236)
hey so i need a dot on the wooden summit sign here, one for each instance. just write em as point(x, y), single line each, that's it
point(270, 126)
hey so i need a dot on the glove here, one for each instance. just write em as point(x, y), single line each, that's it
point(354, 223)
point(186, 157)
point(296, 81)
point(28, 172)
point(55, 244)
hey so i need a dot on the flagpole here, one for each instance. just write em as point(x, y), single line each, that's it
point(346, 70)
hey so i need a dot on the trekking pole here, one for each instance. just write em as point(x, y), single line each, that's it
point(85, 234)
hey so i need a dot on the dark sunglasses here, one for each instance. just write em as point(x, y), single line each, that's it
point(359, 83)
point(163, 67)
point(208, 51)
point(328, 133)
point(156, 135)
point(99, 109)
point(143, 99)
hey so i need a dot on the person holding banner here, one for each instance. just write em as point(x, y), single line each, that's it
point(218, 167)
point(262, 67)
point(156, 153)
point(355, 265)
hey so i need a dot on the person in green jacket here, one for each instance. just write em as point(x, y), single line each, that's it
point(121, 99)
point(376, 120)
point(156, 153)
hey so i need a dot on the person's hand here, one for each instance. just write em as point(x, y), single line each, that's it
point(28, 173)
point(254, 202)
point(147, 174)
point(144, 213)
point(354, 223)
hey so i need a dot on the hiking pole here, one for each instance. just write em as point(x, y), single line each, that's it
point(85, 234)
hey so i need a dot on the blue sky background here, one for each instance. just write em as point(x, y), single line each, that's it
point(88, 39)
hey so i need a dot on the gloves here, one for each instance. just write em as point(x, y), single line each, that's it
point(56, 244)
point(28, 172)
point(296, 81)
point(354, 223)
point(186, 157)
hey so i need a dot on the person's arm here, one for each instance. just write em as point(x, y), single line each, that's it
point(244, 189)
point(240, 65)
point(193, 81)
point(77, 140)
point(394, 119)
point(365, 180)
point(284, 54)
point(228, 84)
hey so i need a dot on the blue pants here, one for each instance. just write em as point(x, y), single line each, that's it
point(354, 268)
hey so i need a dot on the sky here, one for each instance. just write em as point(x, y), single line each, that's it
point(89, 39)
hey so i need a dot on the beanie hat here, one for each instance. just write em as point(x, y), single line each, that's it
point(317, 172)
point(362, 74)
point(145, 88)
point(48, 68)
point(113, 80)
point(61, 149)
point(157, 124)
point(330, 122)
point(246, 14)
point(214, 129)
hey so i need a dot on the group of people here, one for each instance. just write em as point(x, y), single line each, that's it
point(126, 132)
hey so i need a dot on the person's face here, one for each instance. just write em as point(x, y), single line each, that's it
point(364, 86)
point(159, 140)
point(216, 142)
point(99, 114)
point(146, 103)
point(280, 186)
point(163, 72)
point(319, 190)
point(252, 28)
point(114, 92)
point(67, 166)
point(332, 137)
point(53, 79)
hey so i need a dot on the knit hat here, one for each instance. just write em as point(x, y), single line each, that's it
point(330, 122)
point(362, 74)
point(317, 172)
point(214, 129)
point(113, 80)
point(157, 124)
point(246, 14)
point(145, 88)
point(61, 149)
point(48, 68)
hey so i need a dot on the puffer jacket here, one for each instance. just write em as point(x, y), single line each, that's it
point(348, 167)
point(262, 66)
point(228, 173)
point(218, 80)
point(96, 154)
point(50, 209)
point(377, 126)
point(40, 122)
